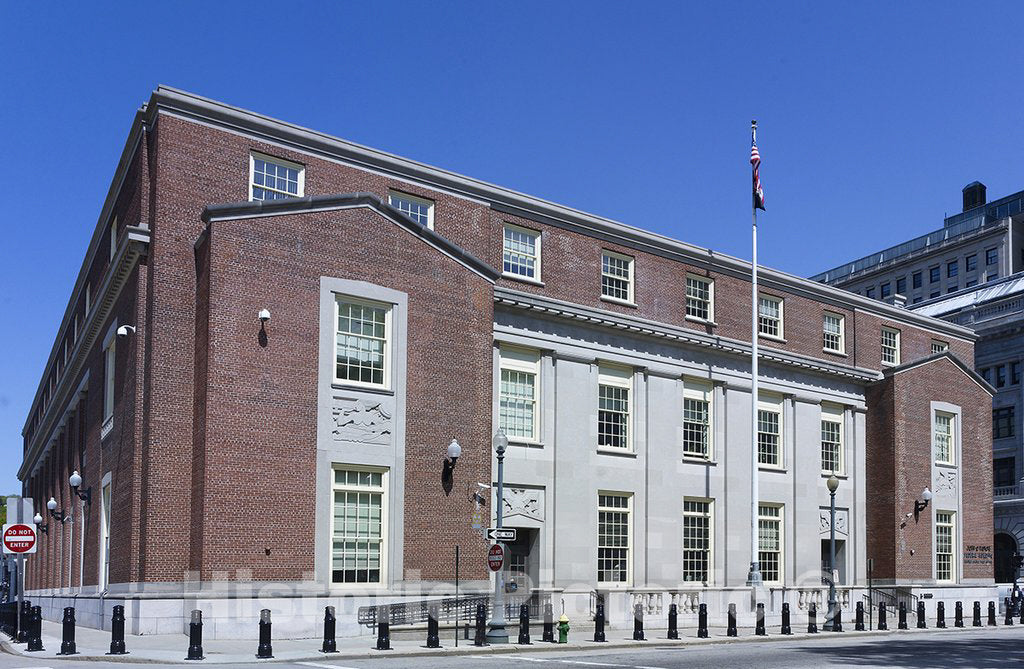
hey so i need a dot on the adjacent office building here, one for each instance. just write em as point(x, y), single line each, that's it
point(276, 334)
point(969, 272)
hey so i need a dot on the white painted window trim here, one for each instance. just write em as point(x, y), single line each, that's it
point(109, 380)
point(609, 374)
point(775, 405)
point(254, 155)
point(389, 343)
point(630, 283)
point(106, 511)
point(954, 437)
point(898, 355)
point(711, 537)
point(536, 235)
point(842, 332)
point(628, 583)
point(113, 238)
point(385, 535)
point(836, 414)
point(954, 564)
point(938, 346)
point(781, 336)
point(415, 199)
point(694, 389)
point(782, 537)
point(710, 284)
point(518, 359)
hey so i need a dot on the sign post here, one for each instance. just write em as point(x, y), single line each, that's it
point(20, 510)
point(495, 557)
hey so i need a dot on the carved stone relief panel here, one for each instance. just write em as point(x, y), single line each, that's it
point(526, 502)
point(361, 421)
point(842, 522)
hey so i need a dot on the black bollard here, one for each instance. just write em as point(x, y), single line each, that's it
point(195, 636)
point(480, 636)
point(992, 614)
point(638, 623)
point(921, 624)
point(1008, 618)
point(264, 650)
point(883, 626)
point(433, 638)
point(702, 622)
point(673, 621)
point(524, 624)
point(812, 619)
point(958, 615)
point(599, 636)
point(786, 627)
point(940, 615)
point(26, 616)
point(858, 625)
point(903, 616)
point(731, 631)
point(117, 632)
point(759, 628)
point(330, 627)
point(35, 629)
point(67, 635)
point(384, 628)
point(976, 615)
point(549, 624)
point(837, 619)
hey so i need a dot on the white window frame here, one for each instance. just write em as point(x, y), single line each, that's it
point(412, 199)
point(953, 553)
point(701, 392)
point(781, 519)
point(628, 510)
point(113, 238)
point(951, 436)
point(614, 376)
point(109, 377)
point(630, 282)
point(709, 515)
point(280, 162)
point(383, 491)
point(840, 336)
point(88, 299)
point(833, 415)
point(106, 512)
point(779, 321)
point(772, 405)
point(707, 305)
point(939, 346)
point(894, 348)
point(535, 235)
point(527, 361)
point(388, 341)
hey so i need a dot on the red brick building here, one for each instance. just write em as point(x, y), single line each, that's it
point(275, 335)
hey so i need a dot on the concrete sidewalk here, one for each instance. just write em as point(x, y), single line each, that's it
point(171, 648)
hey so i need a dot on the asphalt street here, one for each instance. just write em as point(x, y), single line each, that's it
point(981, 649)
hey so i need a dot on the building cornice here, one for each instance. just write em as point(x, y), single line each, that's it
point(134, 245)
point(596, 317)
point(965, 368)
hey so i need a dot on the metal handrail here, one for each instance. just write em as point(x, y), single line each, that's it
point(449, 609)
point(893, 596)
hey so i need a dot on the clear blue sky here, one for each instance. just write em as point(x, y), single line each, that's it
point(873, 117)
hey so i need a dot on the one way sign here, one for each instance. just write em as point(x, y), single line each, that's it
point(501, 534)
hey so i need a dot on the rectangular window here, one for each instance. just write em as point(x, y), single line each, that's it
point(1015, 373)
point(419, 209)
point(1003, 472)
point(105, 513)
point(769, 542)
point(614, 385)
point(613, 525)
point(916, 277)
point(831, 440)
point(699, 298)
point(361, 342)
point(952, 289)
point(991, 256)
point(113, 238)
point(88, 299)
point(952, 268)
point(274, 178)
point(521, 252)
point(617, 276)
point(991, 276)
point(944, 533)
point(833, 325)
point(869, 292)
point(917, 299)
point(971, 263)
point(518, 393)
point(109, 367)
point(901, 285)
point(769, 316)
point(944, 438)
point(939, 346)
point(358, 526)
point(886, 290)
point(1002, 422)
point(769, 434)
point(971, 283)
point(986, 374)
point(890, 346)
point(933, 274)
point(697, 541)
point(933, 295)
point(1000, 376)
point(696, 420)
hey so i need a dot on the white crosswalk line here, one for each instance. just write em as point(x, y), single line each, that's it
point(318, 665)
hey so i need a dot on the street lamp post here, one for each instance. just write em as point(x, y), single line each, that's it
point(1015, 596)
point(830, 624)
point(496, 632)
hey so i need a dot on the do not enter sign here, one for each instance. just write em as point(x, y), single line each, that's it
point(495, 557)
point(19, 538)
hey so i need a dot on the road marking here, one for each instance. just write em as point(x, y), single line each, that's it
point(560, 661)
point(319, 665)
point(507, 657)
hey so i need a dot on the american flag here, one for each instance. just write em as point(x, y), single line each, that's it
point(755, 161)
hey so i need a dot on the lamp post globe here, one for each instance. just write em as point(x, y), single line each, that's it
point(52, 504)
point(500, 441)
point(37, 519)
point(926, 495)
point(454, 451)
point(75, 480)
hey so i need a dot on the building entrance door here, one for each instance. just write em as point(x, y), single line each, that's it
point(1005, 547)
point(522, 561)
point(840, 561)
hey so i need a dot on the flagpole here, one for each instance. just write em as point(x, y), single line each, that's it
point(754, 577)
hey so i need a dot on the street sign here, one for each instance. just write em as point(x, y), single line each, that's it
point(501, 534)
point(495, 557)
point(19, 538)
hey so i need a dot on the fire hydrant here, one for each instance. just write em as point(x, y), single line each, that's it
point(563, 629)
